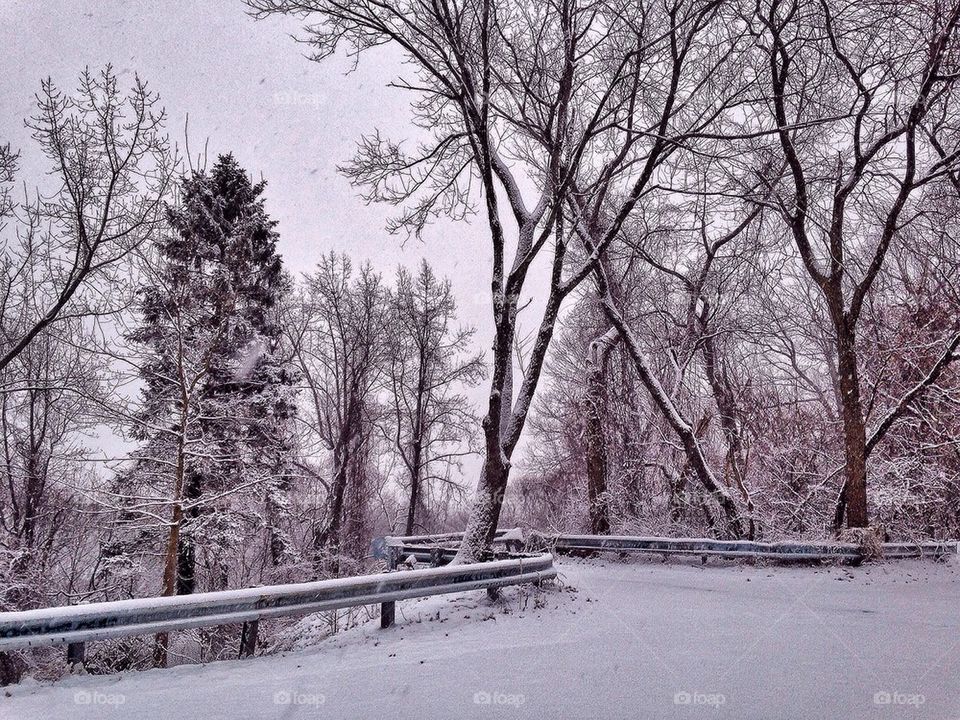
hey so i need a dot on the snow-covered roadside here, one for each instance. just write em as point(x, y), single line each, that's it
point(635, 640)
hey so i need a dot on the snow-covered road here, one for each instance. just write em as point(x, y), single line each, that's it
point(619, 640)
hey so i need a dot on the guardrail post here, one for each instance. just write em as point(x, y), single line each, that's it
point(75, 654)
point(248, 638)
point(388, 612)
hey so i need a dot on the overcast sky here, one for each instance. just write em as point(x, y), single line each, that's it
point(248, 89)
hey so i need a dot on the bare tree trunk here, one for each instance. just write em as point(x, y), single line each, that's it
point(33, 488)
point(730, 423)
point(173, 538)
point(482, 525)
point(853, 496)
point(414, 487)
point(595, 411)
point(356, 515)
point(485, 515)
point(328, 537)
point(333, 539)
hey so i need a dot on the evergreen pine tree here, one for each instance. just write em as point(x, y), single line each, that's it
point(219, 393)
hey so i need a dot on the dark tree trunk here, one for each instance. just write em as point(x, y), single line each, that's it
point(186, 545)
point(414, 489)
point(485, 516)
point(595, 412)
point(328, 536)
point(355, 508)
point(34, 489)
point(853, 498)
point(482, 526)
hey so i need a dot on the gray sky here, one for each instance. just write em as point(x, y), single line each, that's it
point(248, 89)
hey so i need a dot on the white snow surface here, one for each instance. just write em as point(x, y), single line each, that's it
point(633, 639)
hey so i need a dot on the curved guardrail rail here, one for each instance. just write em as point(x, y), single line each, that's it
point(796, 551)
point(98, 621)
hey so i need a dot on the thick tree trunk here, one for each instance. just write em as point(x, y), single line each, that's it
point(595, 410)
point(327, 538)
point(505, 417)
point(35, 480)
point(853, 499)
point(482, 526)
point(355, 508)
point(488, 501)
point(327, 541)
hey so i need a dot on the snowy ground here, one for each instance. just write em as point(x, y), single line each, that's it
point(619, 640)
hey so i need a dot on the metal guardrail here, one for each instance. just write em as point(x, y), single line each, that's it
point(788, 551)
point(506, 536)
point(440, 549)
point(99, 621)
point(78, 624)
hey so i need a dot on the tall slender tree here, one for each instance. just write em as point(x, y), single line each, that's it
point(428, 420)
point(337, 331)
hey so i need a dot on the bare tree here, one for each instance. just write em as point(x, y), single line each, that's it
point(694, 268)
point(336, 330)
point(859, 123)
point(515, 95)
point(112, 166)
point(42, 421)
point(429, 421)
